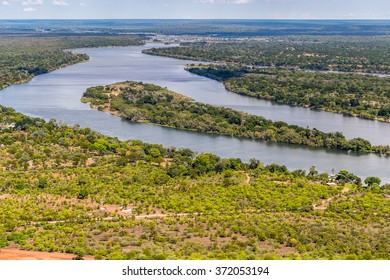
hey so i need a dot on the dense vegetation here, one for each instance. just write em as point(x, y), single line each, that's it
point(363, 96)
point(65, 189)
point(71, 189)
point(150, 103)
point(321, 54)
point(22, 58)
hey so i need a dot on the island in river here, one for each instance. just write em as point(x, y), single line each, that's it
point(71, 189)
point(137, 101)
point(57, 95)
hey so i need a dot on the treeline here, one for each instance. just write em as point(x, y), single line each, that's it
point(22, 58)
point(64, 189)
point(362, 96)
point(72, 42)
point(150, 103)
point(309, 54)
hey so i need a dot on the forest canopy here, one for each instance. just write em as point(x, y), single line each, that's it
point(316, 53)
point(150, 103)
point(363, 96)
point(22, 58)
point(72, 190)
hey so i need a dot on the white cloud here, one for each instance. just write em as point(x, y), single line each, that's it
point(241, 1)
point(238, 2)
point(32, 2)
point(29, 10)
point(5, 3)
point(60, 3)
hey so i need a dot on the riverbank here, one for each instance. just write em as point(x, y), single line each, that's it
point(322, 54)
point(23, 58)
point(56, 95)
point(72, 190)
point(362, 96)
point(150, 103)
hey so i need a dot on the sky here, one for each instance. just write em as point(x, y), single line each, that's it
point(195, 9)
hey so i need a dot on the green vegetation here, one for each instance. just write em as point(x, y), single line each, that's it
point(64, 189)
point(150, 103)
point(362, 96)
point(305, 53)
point(71, 189)
point(22, 58)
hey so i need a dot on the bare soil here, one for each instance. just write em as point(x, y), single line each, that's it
point(325, 202)
point(17, 254)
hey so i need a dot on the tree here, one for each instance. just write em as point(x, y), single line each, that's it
point(346, 177)
point(371, 181)
point(313, 171)
point(254, 163)
point(205, 163)
point(43, 183)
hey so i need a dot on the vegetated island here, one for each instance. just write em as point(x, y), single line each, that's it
point(318, 53)
point(362, 96)
point(72, 190)
point(141, 102)
point(22, 58)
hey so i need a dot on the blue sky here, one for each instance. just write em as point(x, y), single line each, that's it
point(195, 9)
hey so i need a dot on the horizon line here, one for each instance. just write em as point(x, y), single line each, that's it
point(279, 19)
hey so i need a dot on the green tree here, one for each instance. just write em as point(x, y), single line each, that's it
point(371, 181)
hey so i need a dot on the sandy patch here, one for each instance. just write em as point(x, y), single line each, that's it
point(16, 254)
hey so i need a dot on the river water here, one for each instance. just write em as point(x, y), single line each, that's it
point(57, 95)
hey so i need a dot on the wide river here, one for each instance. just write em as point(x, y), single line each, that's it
point(57, 95)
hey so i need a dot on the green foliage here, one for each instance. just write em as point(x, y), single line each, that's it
point(363, 96)
point(371, 181)
point(42, 183)
point(65, 189)
point(346, 177)
point(83, 193)
point(186, 207)
point(321, 53)
point(149, 103)
point(22, 58)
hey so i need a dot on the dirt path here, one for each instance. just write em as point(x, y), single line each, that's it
point(248, 179)
point(345, 190)
point(137, 217)
point(140, 217)
point(325, 202)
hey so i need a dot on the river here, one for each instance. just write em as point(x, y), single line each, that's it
point(57, 95)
